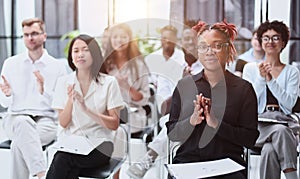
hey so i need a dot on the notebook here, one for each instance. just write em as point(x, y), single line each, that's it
point(203, 169)
point(76, 144)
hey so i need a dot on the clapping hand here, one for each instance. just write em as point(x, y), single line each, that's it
point(123, 82)
point(187, 71)
point(265, 70)
point(202, 111)
point(5, 87)
point(40, 81)
point(74, 96)
point(71, 91)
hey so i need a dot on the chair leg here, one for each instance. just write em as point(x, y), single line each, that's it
point(248, 163)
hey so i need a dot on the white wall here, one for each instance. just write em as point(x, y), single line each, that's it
point(93, 15)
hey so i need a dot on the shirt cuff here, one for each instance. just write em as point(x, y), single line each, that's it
point(271, 82)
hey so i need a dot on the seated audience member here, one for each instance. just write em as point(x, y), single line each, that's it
point(28, 81)
point(165, 88)
point(104, 39)
point(191, 66)
point(88, 102)
point(254, 54)
point(168, 61)
point(214, 113)
point(276, 86)
point(126, 63)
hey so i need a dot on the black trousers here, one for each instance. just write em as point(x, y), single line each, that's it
point(67, 166)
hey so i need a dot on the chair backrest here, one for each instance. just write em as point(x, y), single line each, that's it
point(120, 143)
point(124, 114)
point(296, 108)
point(153, 117)
point(172, 149)
point(121, 138)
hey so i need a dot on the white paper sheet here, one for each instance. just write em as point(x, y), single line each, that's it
point(203, 169)
point(76, 144)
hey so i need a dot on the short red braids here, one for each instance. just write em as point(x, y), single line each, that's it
point(228, 29)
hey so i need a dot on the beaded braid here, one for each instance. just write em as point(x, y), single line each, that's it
point(230, 31)
point(200, 27)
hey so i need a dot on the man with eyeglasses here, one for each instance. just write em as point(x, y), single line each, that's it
point(28, 81)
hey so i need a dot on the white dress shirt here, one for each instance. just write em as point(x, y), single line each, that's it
point(165, 86)
point(171, 68)
point(26, 98)
point(101, 96)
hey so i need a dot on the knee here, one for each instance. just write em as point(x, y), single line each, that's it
point(283, 130)
point(268, 150)
point(23, 122)
point(60, 158)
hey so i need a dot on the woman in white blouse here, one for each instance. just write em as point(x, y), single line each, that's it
point(126, 63)
point(88, 104)
point(276, 86)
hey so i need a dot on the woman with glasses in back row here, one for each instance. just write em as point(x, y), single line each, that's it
point(276, 85)
point(213, 113)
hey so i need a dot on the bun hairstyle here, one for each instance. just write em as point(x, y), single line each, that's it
point(228, 29)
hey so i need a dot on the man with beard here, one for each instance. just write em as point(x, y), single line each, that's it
point(168, 61)
point(28, 82)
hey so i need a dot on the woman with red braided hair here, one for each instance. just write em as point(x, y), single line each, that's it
point(214, 113)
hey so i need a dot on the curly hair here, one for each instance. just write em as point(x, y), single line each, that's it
point(228, 29)
point(277, 26)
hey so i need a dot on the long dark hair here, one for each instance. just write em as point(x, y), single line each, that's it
point(98, 60)
point(132, 50)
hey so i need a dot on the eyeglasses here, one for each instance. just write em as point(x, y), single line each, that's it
point(33, 34)
point(274, 38)
point(217, 47)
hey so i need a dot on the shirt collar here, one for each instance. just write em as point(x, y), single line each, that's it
point(92, 88)
point(43, 59)
point(199, 76)
point(229, 78)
